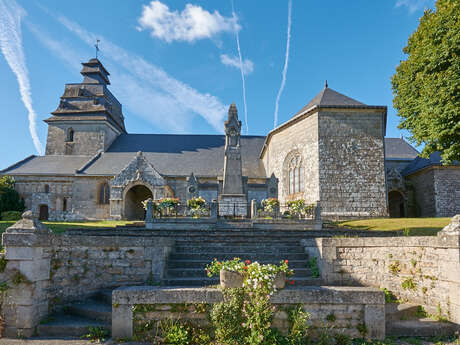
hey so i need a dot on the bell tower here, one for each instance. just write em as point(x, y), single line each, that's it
point(88, 117)
point(232, 201)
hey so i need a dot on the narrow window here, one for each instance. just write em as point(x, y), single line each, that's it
point(64, 204)
point(47, 188)
point(104, 194)
point(291, 181)
point(301, 179)
point(296, 179)
point(69, 135)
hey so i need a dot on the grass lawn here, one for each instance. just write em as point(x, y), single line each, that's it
point(413, 226)
point(59, 227)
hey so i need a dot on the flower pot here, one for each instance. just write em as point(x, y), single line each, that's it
point(280, 280)
point(229, 279)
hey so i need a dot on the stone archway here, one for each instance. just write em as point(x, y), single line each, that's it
point(133, 209)
point(396, 204)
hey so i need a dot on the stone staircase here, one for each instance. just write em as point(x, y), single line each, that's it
point(186, 264)
point(75, 319)
point(405, 320)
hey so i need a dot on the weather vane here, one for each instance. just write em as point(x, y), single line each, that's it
point(97, 47)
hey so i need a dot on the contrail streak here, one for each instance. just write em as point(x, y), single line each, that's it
point(242, 71)
point(11, 15)
point(286, 62)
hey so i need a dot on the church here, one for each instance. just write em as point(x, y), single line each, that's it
point(332, 151)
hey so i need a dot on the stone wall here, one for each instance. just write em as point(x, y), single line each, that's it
point(56, 269)
point(423, 183)
point(301, 137)
point(353, 308)
point(351, 163)
point(88, 138)
point(420, 270)
point(447, 191)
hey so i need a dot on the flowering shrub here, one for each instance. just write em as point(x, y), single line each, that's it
point(234, 265)
point(299, 207)
point(166, 203)
point(196, 206)
point(270, 204)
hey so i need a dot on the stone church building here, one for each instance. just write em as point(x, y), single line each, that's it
point(333, 151)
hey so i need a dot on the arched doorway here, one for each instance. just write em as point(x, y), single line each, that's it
point(396, 204)
point(133, 209)
point(43, 212)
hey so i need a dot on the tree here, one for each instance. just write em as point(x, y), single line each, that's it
point(9, 198)
point(426, 86)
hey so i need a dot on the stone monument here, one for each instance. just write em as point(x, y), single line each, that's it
point(232, 200)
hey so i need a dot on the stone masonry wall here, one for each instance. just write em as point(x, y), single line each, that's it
point(421, 270)
point(351, 163)
point(423, 183)
point(301, 137)
point(447, 187)
point(354, 309)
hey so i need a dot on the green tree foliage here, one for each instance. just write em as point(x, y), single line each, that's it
point(427, 85)
point(9, 198)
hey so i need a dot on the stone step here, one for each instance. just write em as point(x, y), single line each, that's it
point(244, 256)
point(92, 309)
point(189, 282)
point(201, 264)
point(396, 311)
point(201, 273)
point(64, 325)
point(231, 248)
point(419, 328)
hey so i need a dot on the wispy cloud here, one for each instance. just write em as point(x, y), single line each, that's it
point(11, 15)
point(140, 98)
point(241, 69)
point(147, 74)
point(286, 62)
point(193, 23)
point(234, 61)
point(414, 5)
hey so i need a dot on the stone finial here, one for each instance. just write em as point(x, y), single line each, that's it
point(28, 223)
point(453, 228)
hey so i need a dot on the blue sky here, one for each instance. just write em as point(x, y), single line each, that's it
point(175, 64)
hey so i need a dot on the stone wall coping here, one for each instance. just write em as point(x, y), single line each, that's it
point(440, 241)
point(310, 294)
point(62, 240)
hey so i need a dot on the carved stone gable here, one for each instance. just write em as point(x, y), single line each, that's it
point(395, 180)
point(138, 170)
point(192, 187)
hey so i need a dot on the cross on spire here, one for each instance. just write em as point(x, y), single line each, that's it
point(97, 47)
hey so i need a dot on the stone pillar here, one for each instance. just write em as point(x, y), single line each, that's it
point(214, 209)
point(449, 239)
point(149, 212)
point(253, 209)
point(27, 249)
point(318, 221)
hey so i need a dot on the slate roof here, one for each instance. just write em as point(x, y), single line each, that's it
point(399, 149)
point(330, 97)
point(47, 165)
point(420, 163)
point(178, 155)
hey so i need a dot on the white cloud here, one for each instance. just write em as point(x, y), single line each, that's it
point(11, 15)
point(193, 23)
point(234, 61)
point(166, 101)
point(414, 5)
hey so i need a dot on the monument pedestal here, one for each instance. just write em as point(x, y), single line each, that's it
point(233, 205)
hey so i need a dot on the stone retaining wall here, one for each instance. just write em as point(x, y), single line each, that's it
point(354, 308)
point(420, 270)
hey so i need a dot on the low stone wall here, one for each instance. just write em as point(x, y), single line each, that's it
point(354, 308)
point(56, 269)
point(421, 270)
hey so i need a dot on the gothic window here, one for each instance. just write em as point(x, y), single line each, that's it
point(69, 135)
point(104, 194)
point(296, 175)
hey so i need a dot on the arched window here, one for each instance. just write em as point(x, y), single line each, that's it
point(296, 175)
point(69, 135)
point(104, 194)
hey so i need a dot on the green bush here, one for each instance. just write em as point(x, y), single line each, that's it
point(9, 198)
point(11, 215)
